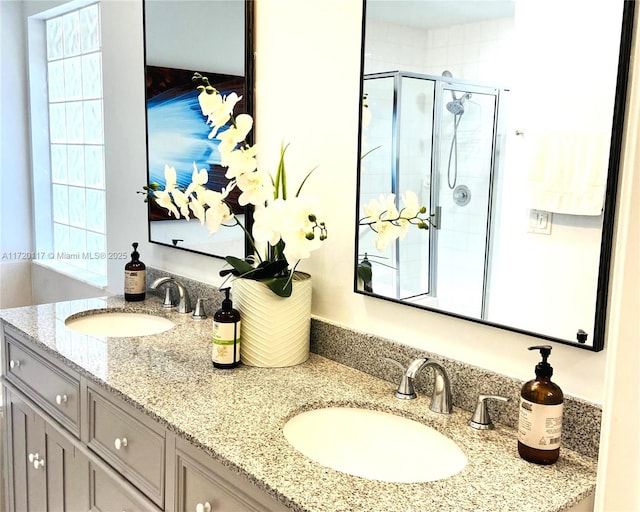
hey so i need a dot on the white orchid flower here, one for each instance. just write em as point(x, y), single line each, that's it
point(231, 137)
point(218, 111)
point(256, 188)
point(268, 222)
point(298, 226)
point(199, 179)
point(163, 199)
point(170, 178)
point(181, 201)
point(216, 215)
point(241, 161)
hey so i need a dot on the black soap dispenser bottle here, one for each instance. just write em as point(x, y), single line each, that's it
point(225, 351)
point(135, 277)
point(540, 416)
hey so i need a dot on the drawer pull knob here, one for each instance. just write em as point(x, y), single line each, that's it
point(14, 363)
point(120, 443)
point(206, 507)
point(61, 399)
point(34, 458)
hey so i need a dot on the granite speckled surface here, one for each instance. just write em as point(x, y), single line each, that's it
point(237, 417)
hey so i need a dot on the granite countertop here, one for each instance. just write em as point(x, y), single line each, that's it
point(237, 417)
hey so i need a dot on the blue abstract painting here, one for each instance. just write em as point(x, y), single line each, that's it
point(177, 133)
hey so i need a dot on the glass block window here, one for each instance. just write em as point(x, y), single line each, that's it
point(76, 143)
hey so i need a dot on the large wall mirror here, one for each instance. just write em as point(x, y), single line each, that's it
point(182, 37)
point(497, 125)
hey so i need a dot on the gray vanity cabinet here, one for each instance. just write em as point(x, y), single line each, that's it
point(74, 446)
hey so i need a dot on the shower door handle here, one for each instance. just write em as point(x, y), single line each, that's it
point(437, 215)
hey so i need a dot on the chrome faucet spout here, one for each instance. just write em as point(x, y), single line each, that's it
point(184, 302)
point(441, 401)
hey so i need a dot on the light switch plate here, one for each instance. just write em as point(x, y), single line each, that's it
point(540, 222)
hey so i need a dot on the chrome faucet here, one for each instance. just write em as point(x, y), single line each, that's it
point(184, 303)
point(441, 397)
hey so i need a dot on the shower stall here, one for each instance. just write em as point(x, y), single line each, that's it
point(439, 137)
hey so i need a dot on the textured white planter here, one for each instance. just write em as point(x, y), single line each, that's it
point(274, 330)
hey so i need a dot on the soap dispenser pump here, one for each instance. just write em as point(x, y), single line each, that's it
point(540, 417)
point(225, 352)
point(135, 274)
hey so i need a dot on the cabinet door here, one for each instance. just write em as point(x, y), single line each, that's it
point(47, 473)
point(205, 485)
point(26, 446)
point(67, 474)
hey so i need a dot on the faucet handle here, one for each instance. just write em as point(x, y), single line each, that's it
point(481, 419)
point(199, 313)
point(405, 389)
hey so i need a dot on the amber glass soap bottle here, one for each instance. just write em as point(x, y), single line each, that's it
point(540, 416)
point(135, 273)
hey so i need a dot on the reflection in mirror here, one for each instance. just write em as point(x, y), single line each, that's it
point(183, 37)
point(503, 140)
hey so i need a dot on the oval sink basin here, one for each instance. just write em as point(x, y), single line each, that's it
point(118, 324)
point(375, 445)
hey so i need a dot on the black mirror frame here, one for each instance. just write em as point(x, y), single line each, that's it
point(606, 243)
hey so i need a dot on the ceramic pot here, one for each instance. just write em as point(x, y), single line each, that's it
point(274, 330)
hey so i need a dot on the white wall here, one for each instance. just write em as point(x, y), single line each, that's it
point(15, 183)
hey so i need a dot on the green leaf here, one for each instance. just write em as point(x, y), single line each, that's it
point(241, 266)
point(281, 286)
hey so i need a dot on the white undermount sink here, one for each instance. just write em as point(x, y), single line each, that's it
point(118, 323)
point(375, 445)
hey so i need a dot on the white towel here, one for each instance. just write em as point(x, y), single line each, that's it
point(567, 171)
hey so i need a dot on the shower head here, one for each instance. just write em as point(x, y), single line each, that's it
point(456, 107)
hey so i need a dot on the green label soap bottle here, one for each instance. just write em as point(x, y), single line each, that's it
point(540, 417)
point(225, 350)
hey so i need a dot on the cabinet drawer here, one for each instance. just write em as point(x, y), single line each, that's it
point(107, 495)
point(130, 443)
point(56, 390)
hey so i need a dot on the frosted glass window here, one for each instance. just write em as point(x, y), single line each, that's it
point(58, 164)
point(94, 166)
point(96, 210)
point(75, 163)
point(56, 81)
point(93, 121)
point(54, 39)
point(74, 122)
point(73, 78)
point(77, 207)
point(60, 238)
point(60, 204)
point(76, 138)
point(57, 123)
point(92, 76)
point(90, 28)
point(71, 34)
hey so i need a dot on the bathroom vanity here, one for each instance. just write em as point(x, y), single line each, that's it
point(146, 423)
